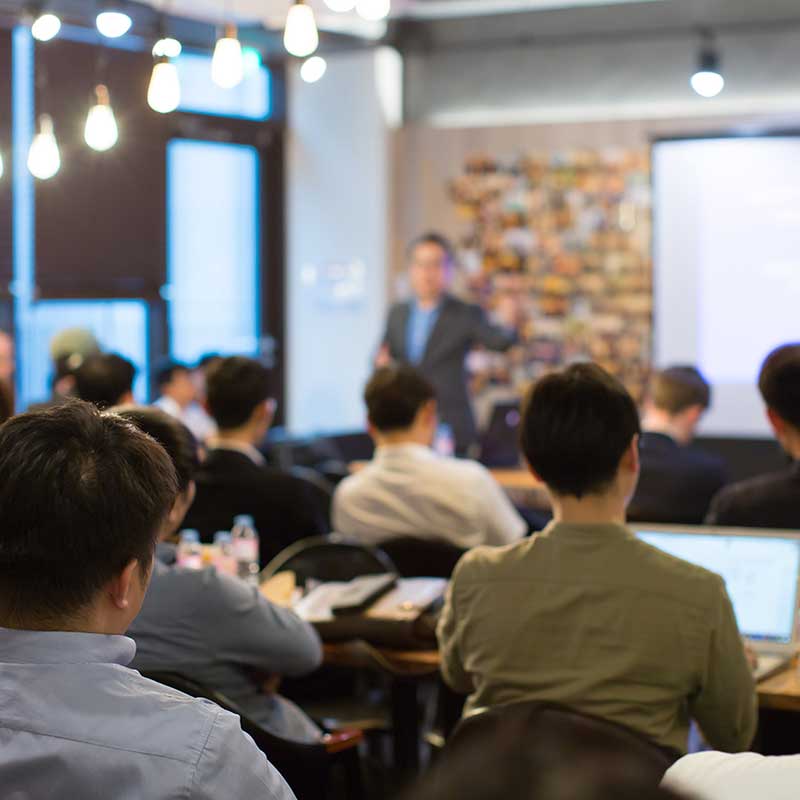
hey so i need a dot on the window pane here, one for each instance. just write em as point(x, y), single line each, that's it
point(213, 242)
point(119, 325)
point(199, 94)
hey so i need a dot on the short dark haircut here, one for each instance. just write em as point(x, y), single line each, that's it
point(236, 387)
point(432, 237)
point(82, 493)
point(104, 379)
point(779, 382)
point(394, 396)
point(576, 427)
point(165, 371)
point(207, 360)
point(677, 388)
point(171, 434)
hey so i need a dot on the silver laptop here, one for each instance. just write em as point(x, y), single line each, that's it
point(761, 569)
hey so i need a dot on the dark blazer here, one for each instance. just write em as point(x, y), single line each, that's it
point(459, 327)
point(230, 483)
point(676, 483)
point(767, 501)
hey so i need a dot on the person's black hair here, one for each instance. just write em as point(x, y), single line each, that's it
point(104, 379)
point(82, 493)
point(432, 237)
point(235, 387)
point(171, 434)
point(522, 753)
point(394, 396)
point(677, 388)
point(779, 382)
point(576, 427)
point(165, 371)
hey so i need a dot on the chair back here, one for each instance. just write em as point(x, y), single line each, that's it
point(305, 767)
point(319, 490)
point(422, 558)
point(571, 731)
point(329, 558)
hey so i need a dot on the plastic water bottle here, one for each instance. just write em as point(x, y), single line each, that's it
point(190, 551)
point(245, 548)
point(224, 560)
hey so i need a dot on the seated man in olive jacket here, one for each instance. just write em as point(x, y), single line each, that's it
point(584, 613)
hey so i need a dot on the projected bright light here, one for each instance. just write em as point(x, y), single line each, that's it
point(707, 84)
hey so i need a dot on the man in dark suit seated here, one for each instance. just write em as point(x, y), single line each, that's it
point(677, 481)
point(770, 501)
point(235, 478)
point(434, 331)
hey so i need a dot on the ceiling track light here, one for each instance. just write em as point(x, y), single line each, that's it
point(45, 25)
point(300, 37)
point(707, 81)
point(112, 20)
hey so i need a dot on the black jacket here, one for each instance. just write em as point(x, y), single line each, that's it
point(767, 501)
point(676, 484)
point(282, 506)
point(458, 328)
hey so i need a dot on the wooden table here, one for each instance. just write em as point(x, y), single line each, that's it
point(523, 489)
point(781, 692)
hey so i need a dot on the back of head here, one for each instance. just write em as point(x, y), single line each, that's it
point(779, 383)
point(576, 426)
point(676, 389)
point(171, 434)
point(527, 753)
point(235, 387)
point(104, 379)
point(165, 371)
point(394, 396)
point(81, 495)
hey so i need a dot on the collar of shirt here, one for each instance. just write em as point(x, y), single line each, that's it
point(220, 443)
point(388, 452)
point(64, 647)
point(607, 529)
point(169, 405)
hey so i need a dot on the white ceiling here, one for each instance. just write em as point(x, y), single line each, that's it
point(273, 12)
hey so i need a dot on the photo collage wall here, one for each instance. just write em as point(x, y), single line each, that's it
point(570, 234)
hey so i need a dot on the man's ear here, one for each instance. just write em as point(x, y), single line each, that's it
point(776, 421)
point(119, 587)
point(630, 458)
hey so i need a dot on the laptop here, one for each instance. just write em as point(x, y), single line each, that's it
point(500, 442)
point(761, 569)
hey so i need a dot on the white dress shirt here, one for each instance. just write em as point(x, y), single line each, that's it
point(193, 417)
point(408, 490)
point(747, 776)
point(77, 722)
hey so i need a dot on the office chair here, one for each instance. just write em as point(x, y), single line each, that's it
point(329, 558)
point(422, 558)
point(542, 719)
point(307, 768)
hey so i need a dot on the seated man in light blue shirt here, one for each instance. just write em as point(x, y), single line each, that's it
point(83, 498)
point(214, 628)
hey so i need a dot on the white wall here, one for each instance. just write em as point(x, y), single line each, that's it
point(338, 206)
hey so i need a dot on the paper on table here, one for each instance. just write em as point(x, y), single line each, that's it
point(408, 599)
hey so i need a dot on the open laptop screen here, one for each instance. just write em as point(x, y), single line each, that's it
point(761, 573)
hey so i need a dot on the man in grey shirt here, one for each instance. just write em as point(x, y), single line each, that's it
point(214, 628)
point(83, 497)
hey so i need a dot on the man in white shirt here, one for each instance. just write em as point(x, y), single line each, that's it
point(408, 490)
point(177, 395)
point(747, 776)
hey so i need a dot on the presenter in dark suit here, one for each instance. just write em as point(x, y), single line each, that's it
point(677, 481)
point(435, 331)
